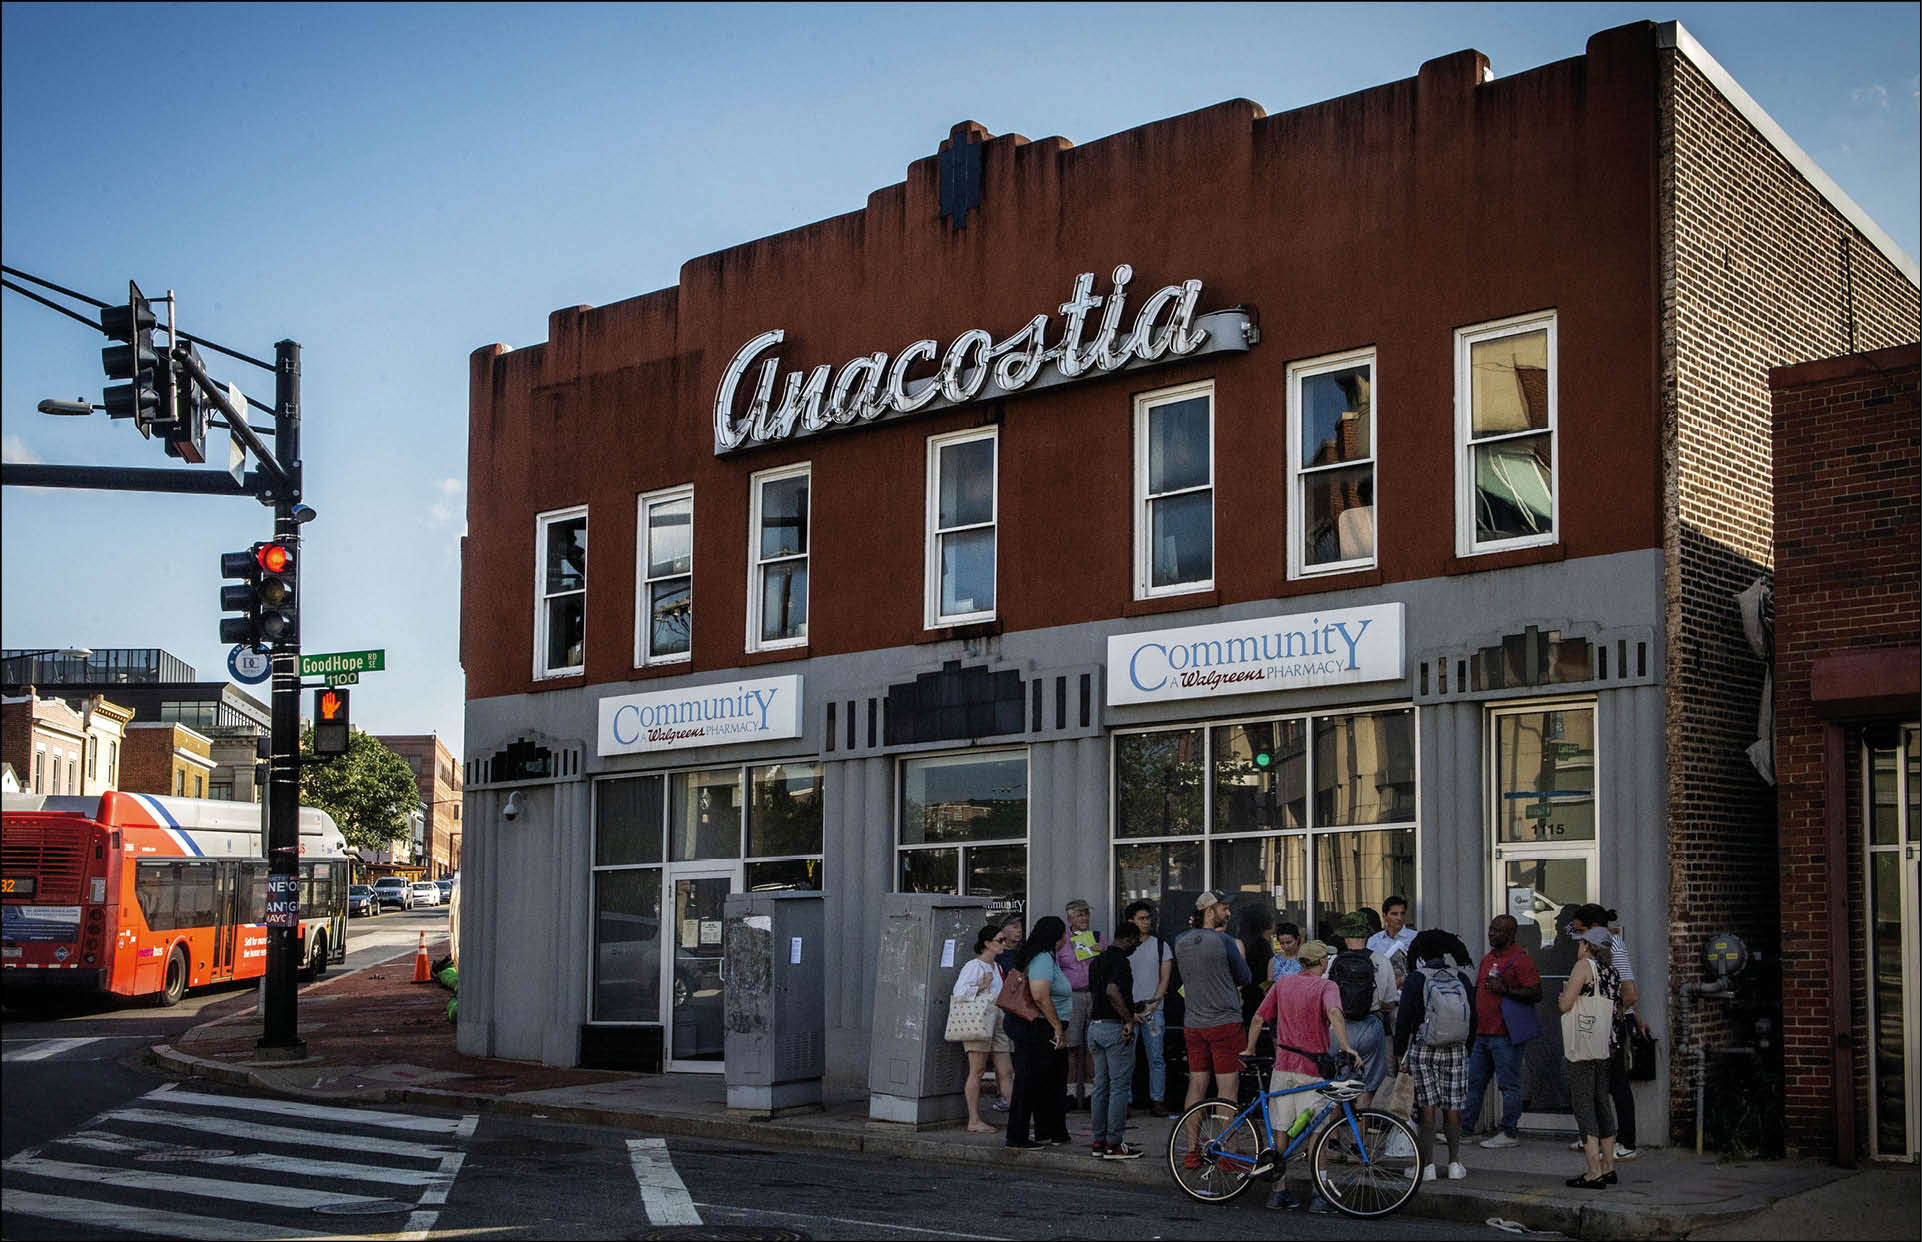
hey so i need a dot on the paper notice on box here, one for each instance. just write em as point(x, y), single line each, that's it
point(794, 951)
point(947, 954)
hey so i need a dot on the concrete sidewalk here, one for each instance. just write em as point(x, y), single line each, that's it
point(373, 1035)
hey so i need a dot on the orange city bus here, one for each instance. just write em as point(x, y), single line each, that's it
point(142, 895)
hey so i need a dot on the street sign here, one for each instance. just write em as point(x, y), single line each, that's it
point(283, 901)
point(236, 451)
point(343, 662)
point(343, 679)
point(249, 666)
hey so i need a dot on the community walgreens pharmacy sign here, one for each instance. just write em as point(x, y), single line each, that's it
point(1330, 648)
point(714, 715)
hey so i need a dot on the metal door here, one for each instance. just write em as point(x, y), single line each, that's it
point(695, 979)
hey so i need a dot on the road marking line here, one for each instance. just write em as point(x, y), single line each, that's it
point(100, 1140)
point(732, 1210)
point(273, 1134)
point(93, 1216)
point(49, 1048)
point(418, 1227)
point(318, 1112)
point(662, 1194)
point(175, 1184)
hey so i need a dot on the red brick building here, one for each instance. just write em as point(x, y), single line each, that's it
point(1316, 507)
point(438, 774)
point(1848, 696)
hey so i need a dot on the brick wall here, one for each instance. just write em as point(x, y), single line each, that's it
point(1757, 270)
point(151, 761)
point(1848, 531)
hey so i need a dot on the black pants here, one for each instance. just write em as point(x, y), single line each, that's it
point(1619, 1090)
point(1040, 1082)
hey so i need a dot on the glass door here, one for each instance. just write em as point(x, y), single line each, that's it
point(1893, 808)
point(696, 979)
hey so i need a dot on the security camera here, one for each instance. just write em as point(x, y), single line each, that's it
point(512, 811)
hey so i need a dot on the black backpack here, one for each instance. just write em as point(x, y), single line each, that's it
point(1353, 971)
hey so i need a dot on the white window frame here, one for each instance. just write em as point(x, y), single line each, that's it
point(1466, 543)
point(935, 532)
point(541, 597)
point(756, 483)
point(643, 584)
point(1145, 403)
point(1298, 470)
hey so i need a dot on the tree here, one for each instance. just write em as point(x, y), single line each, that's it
point(370, 791)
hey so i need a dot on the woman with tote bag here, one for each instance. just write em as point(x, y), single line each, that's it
point(971, 1011)
point(1588, 1002)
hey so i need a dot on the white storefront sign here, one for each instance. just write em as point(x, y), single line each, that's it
point(723, 714)
point(1333, 647)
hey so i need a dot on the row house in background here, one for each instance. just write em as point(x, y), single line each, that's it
point(61, 747)
point(438, 774)
point(1313, 507)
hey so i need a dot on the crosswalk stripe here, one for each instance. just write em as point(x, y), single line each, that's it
point(94, 1216)
point(318, 1112)
point(172, 1183)
point(360, 1144)
point(662, 1194)
point(48, 1048)
point(101, 1140)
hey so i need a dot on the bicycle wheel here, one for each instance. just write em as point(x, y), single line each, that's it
point(1214, 1166)
point(1353, 1168)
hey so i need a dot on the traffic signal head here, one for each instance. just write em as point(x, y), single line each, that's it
point(265, 597)
point(330, 721)
point(135, 361)
point(182, 420)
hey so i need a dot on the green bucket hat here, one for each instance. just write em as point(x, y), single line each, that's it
point(1352, 926)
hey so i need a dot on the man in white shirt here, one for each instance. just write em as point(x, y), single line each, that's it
point(1152, 963)
point(1395, 935)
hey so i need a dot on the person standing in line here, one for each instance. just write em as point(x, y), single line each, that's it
point(1083, 946)
point(982, 976)
point(1588, 1096)
point(1212, 973)
point(1013, 932)
point(1111, 1028)
point(1252, 923)
point(1040, 1069)
point(1434, 1022)
point(1306, 1010)
point(1506, 973)
point(1368, 997)
point(1587, 918)
point(1287, 960)
point(1150, 966)
point(1394, 936)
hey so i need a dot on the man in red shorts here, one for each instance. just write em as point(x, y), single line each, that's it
point(1212, 972)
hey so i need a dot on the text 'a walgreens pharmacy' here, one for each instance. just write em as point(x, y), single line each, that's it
point(715, 715)
point(1091, 341)
point(1329, 648)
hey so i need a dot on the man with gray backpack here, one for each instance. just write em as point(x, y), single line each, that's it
point(1436, 1021)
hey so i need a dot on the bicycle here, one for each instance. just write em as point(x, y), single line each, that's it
point(1350, 1161)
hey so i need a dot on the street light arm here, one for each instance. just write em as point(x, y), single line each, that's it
point(236, 419)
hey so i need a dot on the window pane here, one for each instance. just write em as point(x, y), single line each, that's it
point(1338, 519)
point(930, 871)
point(1335, 417)
point(1885, 823)
point(793, 874)
point(1261, 776)
point(670, 537)
point(1365, 769)
point(967, 484)
point(784, 517)
point(1545, 775)
point(784, 601)
point(967, 572)
point(566, 624)
point(1268, 870)
point(1178, 445)
point(627, 821)
point(1509, 381)
point(1182, 528)
point(567, 554)
point(627, 945)
point(706, 817)
point(1514, 488)
point(964, 798)
point(670, 611)
point(1890, 1035)
point(999, 872)
point(1356, 869)
point(1168, 874)
point(785, 817)
point(1158, 784)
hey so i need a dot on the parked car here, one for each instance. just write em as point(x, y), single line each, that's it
point(446, 890)
point(394, 890)
point(426, 893)
point(361, 899)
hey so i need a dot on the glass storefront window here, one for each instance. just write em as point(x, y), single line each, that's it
point(1545, 775)
point(1270, 868)
point(931, 871)
point(1261, 776)
point(1365, 769)
point(798, 874)
point(785, 814)
point(974, 808)
point(627, 822)
point(705, 821)
point(1357, 869)
point(1158, 783)
point(627, 945)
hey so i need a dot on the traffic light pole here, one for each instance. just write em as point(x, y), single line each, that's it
point(280, 1037)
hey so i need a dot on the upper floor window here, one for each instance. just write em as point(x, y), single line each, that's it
point(1174, 491)
point(560, 592)
point(1505, 434)
point(962, 504)
point(778, 559)
point(665, 590)
point(1331, 463)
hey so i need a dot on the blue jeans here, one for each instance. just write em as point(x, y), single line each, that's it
point(1113, 1068)
point(1152, 1033)
point(1506, 1059)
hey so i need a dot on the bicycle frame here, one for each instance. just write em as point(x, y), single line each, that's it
point(1260, 1102)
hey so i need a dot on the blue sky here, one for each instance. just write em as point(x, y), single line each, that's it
point(394, 186)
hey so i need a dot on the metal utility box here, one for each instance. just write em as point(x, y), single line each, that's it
point(775, 1013)
point(914, 1074)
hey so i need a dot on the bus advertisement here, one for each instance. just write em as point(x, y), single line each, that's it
point(144, 895)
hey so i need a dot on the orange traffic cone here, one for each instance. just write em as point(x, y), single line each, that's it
point(423, 973)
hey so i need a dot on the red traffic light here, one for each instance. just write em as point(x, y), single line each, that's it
point(275, 558)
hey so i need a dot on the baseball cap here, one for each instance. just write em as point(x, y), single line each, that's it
point(1311, 951)
point(1352, 926)
point(1077, 904)
point(1596, 935)
point(1209, 898)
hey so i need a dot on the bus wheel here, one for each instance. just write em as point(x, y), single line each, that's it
point(317, 963)
point(176, 986)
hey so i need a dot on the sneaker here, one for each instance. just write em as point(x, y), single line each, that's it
point(1399, 1148)
point(1026, 1145)
point(1121, 1151)
point(1157, 1109)
point(1098, 1151)
point(1318, 1206)
point(1501, 1140)
point(1456, 1171)
point(1609, 1178)
point(1057, 1142)
point(1428, 1172)
point(1624, 1153)
point(1575, 1146)
point(1001, 1105)
point(1279, 1198)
